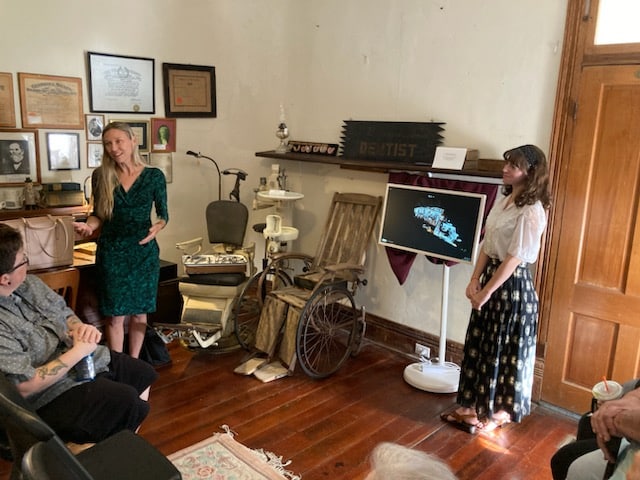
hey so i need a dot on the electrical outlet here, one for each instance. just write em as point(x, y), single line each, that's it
point(422, 350)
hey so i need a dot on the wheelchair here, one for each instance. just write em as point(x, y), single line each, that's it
point(302, 305)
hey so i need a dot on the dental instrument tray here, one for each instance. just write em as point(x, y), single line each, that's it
point(214, 263)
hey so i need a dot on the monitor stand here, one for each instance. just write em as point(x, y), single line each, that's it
point(441, 377)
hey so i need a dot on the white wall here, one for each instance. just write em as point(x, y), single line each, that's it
point(487, 69)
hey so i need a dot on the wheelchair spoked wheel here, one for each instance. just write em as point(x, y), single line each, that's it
point(246, 312)
point(327, 329)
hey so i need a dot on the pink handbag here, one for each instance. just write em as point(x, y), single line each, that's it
point(48, 241)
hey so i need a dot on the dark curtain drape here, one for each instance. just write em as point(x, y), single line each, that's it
point(401, 260)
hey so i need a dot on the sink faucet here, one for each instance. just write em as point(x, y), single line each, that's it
point(282, 180)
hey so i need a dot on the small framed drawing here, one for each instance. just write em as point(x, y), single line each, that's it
point(163, 135)
point(95, 151)
point(163, 161)
point(141, 131)
point(189, 90)
point(18, 156)
point(63, 151)
point(121, 84)
point(7, 107)
point(94, 124)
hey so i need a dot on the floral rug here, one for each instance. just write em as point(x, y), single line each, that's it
point(221, 457)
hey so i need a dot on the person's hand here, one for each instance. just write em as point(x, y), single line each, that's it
point(478, 299)
point(85, 348)
point(472, 288)
point(86, 333)
point(82, 229)
point(153, 231)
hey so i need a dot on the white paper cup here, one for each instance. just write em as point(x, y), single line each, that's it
point(601, 394)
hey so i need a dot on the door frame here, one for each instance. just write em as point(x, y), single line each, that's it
point(578, 51)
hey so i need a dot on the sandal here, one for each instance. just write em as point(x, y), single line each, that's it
point(489, 425)
point(460, 421)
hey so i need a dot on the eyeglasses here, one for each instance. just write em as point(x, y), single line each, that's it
point(22, 263)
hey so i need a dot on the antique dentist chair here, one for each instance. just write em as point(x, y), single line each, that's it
point(213, 277)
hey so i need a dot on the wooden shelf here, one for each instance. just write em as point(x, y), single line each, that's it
point(375, 166)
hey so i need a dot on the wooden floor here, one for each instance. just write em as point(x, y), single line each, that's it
point(327, 428)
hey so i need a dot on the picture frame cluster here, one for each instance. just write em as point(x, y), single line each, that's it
point(120, 88)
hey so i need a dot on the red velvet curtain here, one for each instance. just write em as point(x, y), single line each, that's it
point(401, 260)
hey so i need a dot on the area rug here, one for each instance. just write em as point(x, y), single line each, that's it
point(221, 457)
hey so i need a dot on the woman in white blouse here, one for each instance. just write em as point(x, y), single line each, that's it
point(496, 375)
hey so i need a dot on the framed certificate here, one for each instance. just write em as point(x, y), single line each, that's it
point(189, 90)
point(121, 84)
point(48, 101)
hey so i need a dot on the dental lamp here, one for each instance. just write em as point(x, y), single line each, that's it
point(199, 155)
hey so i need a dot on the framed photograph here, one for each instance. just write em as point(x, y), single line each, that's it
point(189, 90)
point(48, 101)
point(63, 151)
point(95, 150)
point(145, 157)
point(7, 107)
point(163, 135)
point(94, 124)
point(121, 84)
point(163, 161)
point(141, 130)
point(18, 156)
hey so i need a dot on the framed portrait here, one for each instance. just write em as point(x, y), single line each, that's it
point(163, 161)
point(163, 135)
point(189, 90)
point(121, 84)
point(95, 150)
point(141, 131)
point(63, 151)
point(18, 156)
point(94, 124)
point(49, 101)
point(7, 106)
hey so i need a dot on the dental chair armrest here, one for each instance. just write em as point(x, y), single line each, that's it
point(194, 242)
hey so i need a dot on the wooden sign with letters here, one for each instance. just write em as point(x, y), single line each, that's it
point(403, 142)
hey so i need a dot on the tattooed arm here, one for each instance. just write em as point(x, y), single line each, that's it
point(49, 373)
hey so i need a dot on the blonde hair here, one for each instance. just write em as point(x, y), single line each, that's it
point(105, 178)
point(393, 461)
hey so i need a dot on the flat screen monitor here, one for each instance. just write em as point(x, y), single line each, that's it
point(439, 223)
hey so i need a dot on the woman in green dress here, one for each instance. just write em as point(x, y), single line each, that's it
point(127, 257)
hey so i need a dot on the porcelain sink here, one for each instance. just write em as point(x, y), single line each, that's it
point(279, 195)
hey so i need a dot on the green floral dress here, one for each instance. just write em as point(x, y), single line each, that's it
point(128, 273)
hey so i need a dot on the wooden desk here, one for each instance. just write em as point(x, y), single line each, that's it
point(169, 303)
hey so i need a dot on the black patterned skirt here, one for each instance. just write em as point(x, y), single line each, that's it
point(500, 348)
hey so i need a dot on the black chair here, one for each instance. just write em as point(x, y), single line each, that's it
point(122, 456)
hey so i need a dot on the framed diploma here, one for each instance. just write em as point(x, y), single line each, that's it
point(48, 101)
point(189, 90)
point(7, 107)
point(121, 84)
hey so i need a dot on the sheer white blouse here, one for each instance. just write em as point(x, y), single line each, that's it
point(513, 230)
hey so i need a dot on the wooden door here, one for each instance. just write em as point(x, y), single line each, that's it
point(594, 313)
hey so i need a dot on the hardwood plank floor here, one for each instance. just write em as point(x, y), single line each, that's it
point(327, 428)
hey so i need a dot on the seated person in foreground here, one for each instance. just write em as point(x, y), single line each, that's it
point(585, 442)
point(393, 461)
point(614, 418)
point(41, 340)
